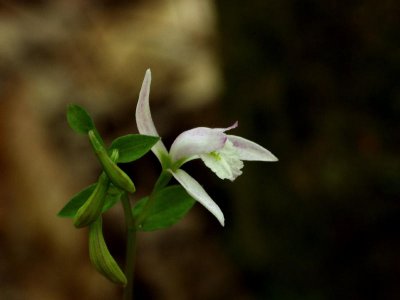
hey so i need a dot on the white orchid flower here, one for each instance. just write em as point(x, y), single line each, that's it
point(222, 153)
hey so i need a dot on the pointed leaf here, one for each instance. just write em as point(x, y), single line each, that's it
point(170, 205)
point(70, 209)
point(112, 197)
point(133, 146)
point(78, 119)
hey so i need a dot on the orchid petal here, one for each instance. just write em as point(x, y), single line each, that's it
point(195, 190)
point(248, 150)
point(144, 120)
point(197, 141)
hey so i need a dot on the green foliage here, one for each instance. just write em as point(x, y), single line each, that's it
point(70, 209)
point(79, 120)
point(133, 146)
point(169, 206)
point(73, 205)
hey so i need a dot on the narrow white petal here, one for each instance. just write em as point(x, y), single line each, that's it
point(249, 150)
point(197, 141)
point(195, 190)
point(144, 120)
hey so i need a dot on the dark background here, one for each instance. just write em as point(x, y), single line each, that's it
point(318, 82)
point(315, 82)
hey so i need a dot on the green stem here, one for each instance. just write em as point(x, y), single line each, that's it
point(130, 246)
point(162, 181)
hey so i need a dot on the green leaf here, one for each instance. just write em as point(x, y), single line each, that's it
point(70, 209)
point(112, 197)
point(133, 146)
point(170, 205)
point(78, 119)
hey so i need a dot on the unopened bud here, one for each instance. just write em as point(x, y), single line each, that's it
point(118, 177)
point(101, 257)
point(91, 209)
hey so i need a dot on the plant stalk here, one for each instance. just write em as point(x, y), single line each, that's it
point(162, 181)
point(130, 246)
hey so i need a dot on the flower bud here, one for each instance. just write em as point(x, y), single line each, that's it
point(101, 257)
point(118, 177)
point(92, 208)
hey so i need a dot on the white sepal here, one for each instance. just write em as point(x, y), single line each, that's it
point(195, 190)
point(248, 150)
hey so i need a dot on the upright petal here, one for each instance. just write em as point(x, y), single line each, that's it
point(144, 120)
point(195, 190)
point(197, 141)
point(248, 150)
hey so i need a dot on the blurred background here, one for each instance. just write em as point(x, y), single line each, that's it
point(315, 82)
